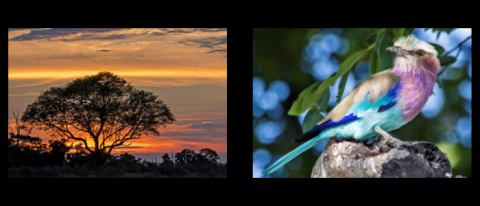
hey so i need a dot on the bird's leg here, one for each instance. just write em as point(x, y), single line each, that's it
point(370, 141)
point(370, 144)
point(385, 136)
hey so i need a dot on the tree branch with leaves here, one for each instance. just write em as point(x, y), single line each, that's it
point(98, 106)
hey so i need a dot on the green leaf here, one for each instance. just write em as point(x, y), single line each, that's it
point(373, 62)
point(313, 115)
point(296, 108)
point(311, 119)
point(439, 49)
point(398, 32)
point(379, 39)
point(309, 99)
point(322, 103)
point(447, 60)
point(385, 58)
point(341, 86)
point(373, 32)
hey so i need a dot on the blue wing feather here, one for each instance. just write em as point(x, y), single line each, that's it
point(387, 106)
point(319, 128)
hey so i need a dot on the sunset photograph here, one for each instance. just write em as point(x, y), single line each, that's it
point(117, 102)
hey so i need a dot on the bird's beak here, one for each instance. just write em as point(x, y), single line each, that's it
point(397, 50)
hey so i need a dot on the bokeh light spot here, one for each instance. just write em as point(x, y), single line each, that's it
point(279, 88)
point(258, 87)
point(465, 89)
point(464, 131)
point(261, 157)
point(268, 131)
point(434, 103)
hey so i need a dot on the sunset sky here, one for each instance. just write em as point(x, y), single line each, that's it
point(187, 68)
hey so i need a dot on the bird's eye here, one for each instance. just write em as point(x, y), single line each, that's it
point(420, 52)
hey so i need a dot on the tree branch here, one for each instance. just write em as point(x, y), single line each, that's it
point(459, 46)
point(348, 158)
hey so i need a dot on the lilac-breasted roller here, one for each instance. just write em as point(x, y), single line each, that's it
point(382, 102)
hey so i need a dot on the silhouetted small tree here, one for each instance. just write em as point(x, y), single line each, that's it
point(210, 155)
point(166, 158)
point(128, 158)
point(186, 156)
point(20, 141)
point(57, 152)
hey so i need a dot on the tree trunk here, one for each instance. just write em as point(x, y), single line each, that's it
point(348, 158)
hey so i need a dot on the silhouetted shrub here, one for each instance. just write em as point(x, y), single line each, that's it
point(80, 165)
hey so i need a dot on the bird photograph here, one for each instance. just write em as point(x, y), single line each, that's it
point(362, 103)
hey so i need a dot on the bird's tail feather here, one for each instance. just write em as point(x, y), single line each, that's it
point(292, 154)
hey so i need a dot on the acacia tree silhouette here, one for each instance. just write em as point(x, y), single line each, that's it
point(102, 107)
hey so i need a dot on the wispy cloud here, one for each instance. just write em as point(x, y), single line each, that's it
point(214, 43)
point(219, 50)
point(37, 34)
point(208, 126)
point(208, 42)
point(177, 31)
point(158, 33)
point(12, 84)
point(191, 30)
point(212, 29)
point(25, 94)
point(13, 29)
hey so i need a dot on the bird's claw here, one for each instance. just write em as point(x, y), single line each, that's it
point(384, 137)
point(382, 141)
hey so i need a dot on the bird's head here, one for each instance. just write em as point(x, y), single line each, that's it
point(413, 54)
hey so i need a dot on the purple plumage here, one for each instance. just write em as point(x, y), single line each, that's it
point(417, 85)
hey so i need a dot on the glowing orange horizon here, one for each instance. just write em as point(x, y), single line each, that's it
point(148, 144)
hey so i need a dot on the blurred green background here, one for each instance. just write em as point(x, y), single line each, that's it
point(287, 61)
